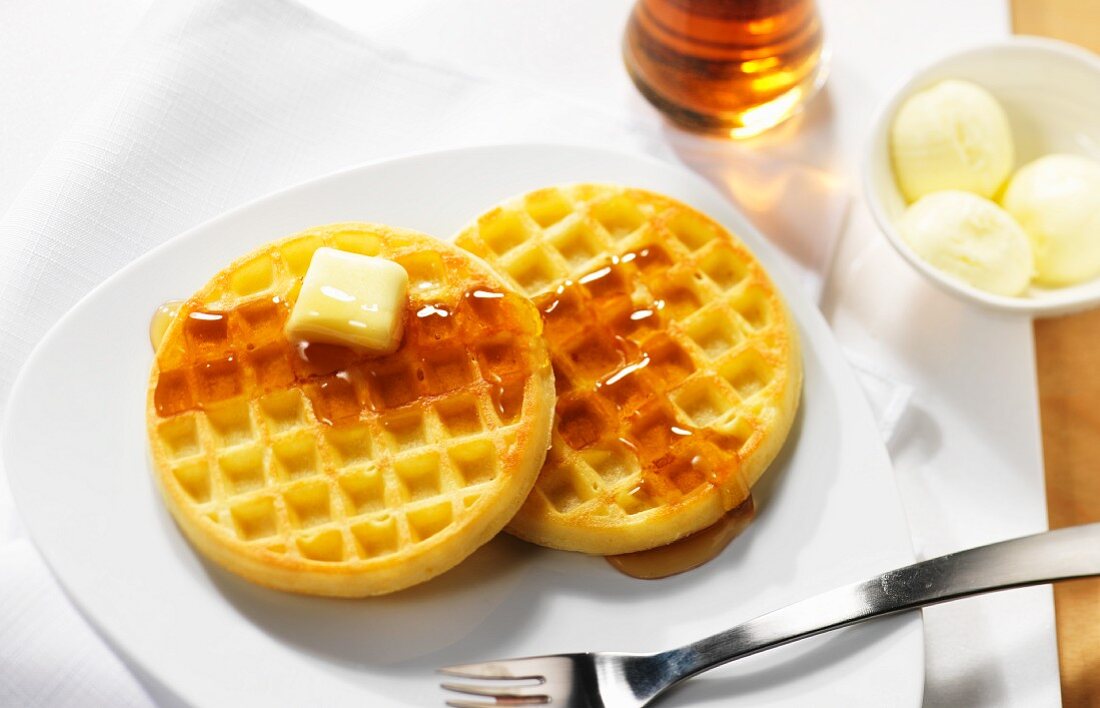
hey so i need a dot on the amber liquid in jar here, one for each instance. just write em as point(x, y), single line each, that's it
point(728, 67)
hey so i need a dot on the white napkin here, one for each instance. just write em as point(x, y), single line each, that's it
point(221, 101)
point(49, 656)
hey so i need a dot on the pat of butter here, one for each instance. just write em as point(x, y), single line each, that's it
point(353, 300)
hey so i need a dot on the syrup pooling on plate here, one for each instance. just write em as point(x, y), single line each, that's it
point(479, 340)
point(614, 363)
point(687, 553)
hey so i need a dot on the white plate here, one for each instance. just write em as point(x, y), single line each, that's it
point(1051, 93)
point(74, 448)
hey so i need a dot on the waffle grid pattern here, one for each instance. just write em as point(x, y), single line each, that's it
point(659, 323)
point(422, 436)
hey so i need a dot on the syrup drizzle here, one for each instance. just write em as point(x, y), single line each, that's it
point(328, 369)
point(219, 354)
point(613, 361)
point(162, 317)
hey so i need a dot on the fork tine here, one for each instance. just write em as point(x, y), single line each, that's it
point(501, 703)
point(471, 704)
point(510, 669)
point(535, 692)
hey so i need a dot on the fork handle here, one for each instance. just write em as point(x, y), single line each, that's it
point(1064, 554)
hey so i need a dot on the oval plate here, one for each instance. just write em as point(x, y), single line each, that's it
point(75, 450)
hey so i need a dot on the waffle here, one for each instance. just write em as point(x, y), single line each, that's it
point(312, 469)
point(676, 363)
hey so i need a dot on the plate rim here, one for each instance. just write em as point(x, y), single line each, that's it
point(148, 674)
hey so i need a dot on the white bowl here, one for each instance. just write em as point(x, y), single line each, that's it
point(1051, 92)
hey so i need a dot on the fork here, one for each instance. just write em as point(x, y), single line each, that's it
point(621, 680)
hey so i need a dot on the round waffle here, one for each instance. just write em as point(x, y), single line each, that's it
point(312, 469)
point(676, 363)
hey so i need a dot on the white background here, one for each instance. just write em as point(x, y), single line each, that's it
point(967, 455)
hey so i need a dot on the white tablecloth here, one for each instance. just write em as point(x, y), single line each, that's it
point(967, 452)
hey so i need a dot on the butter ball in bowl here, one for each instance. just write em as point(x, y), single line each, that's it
point(951, 135)
point(969, 238)
point(1056, 199)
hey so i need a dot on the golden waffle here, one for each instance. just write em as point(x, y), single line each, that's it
point(676, 363)
point(312, 469)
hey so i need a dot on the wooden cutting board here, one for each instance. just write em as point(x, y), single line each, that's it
point(1067, 357)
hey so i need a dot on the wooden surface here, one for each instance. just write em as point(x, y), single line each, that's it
point(1067, 353)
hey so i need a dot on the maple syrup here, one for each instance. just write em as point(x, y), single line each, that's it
point(729, 67)
point(220, 354)
point(162, 317)
point(687, 553)
point(614, 363)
